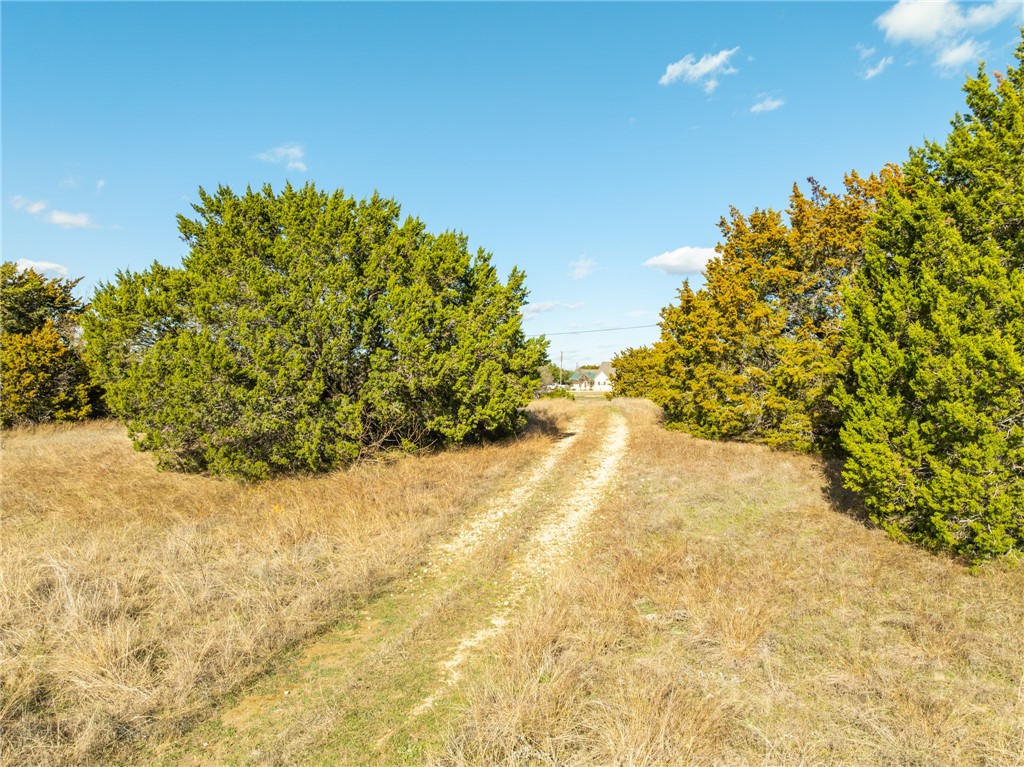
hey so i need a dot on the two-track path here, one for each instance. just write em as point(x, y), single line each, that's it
point(377, 690)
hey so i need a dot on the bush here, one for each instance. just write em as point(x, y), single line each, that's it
point(933, 408)
point(42, 376)
point(639, 372)
point(558, 394)
point(756, 353)
point(305, 329)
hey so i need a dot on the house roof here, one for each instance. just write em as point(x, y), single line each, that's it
point(591, 373)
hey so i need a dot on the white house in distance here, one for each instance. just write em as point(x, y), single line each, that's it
point(597, 379)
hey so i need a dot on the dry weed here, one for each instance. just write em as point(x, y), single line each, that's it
point(132, 600)
point(729, 613)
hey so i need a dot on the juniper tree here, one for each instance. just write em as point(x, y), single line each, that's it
point(42, 375)
point(755, 354)
point(638, 373)
point(305, 329)
point(933, 408)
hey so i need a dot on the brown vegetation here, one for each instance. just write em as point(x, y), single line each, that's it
point(132, 601)
point(719, 606)
point(727, 613)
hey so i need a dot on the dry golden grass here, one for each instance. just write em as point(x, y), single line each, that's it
point(722, 610)
point(133, 601)
point(727, 613)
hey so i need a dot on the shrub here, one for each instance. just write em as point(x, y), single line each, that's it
point(305, 329)
point(933, 407)
point(639, 373)
point(558, 394)
point(756, 353)
point(42, 376)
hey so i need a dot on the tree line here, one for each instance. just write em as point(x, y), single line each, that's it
point(303, 330)
point(883, 324)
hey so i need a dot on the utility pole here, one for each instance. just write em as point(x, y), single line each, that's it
point(560, 354)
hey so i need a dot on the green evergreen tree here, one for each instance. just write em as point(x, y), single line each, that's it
point(42, 375)
point(638, 373)
point(305, 329)
point(756, 353)
point(933, 408)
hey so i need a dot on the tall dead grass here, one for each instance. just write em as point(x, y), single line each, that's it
point(727, 614)
point(132, 601)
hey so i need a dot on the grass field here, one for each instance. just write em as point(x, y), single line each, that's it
point(726, 612)
point(132, 601)
point(600, 591)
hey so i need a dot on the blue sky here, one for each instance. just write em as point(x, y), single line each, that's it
point(594, 145)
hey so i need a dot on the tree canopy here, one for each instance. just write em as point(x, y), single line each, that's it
point(933, 407)
point(42, 376)
point(885, 324)
point(305, 329)
point(755, 354)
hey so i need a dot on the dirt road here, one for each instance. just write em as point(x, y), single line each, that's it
point(379, 690)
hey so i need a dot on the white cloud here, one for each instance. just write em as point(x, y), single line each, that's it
point(983, 16)
point(942, 25)
point(768, 104)
point(291, 155)
point(685, 260)
point(918, 22)
point(100, 183)
point(70, 182)
point(41, 266)
point(704, 71)
point(864, 51)
point(29, 206)
point(536, 308)
point(582, 267)
point(70, 220)
point(875, 71)
point(58, 217)
point(953, 55)
point(925, 21)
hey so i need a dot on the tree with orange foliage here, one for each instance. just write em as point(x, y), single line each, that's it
point(42, 376)
point(756, 353)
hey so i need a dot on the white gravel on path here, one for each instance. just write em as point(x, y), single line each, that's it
point(484, 525)
point(547, 548)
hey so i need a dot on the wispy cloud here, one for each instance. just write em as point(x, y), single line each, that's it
point(540, 307)
point(70, 182)
point(875, 71)
point(57, 217)
point(864, 51)
point(29, 206)
point(70, 220)
point(943, 26)
point(41, 266)
point(954, 56)
point(100, 183)
point(582, 267)
point(704, 71)
point(684, 260)
point(926, 21)
point(290, 155)
point(767, 104)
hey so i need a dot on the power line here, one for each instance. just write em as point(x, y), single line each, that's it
point(599, 330)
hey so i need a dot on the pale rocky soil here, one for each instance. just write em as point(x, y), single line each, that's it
point(548, 547)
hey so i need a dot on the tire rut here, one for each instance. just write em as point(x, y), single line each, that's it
point(484, 524)
point(548, 547)
point(365, 688)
